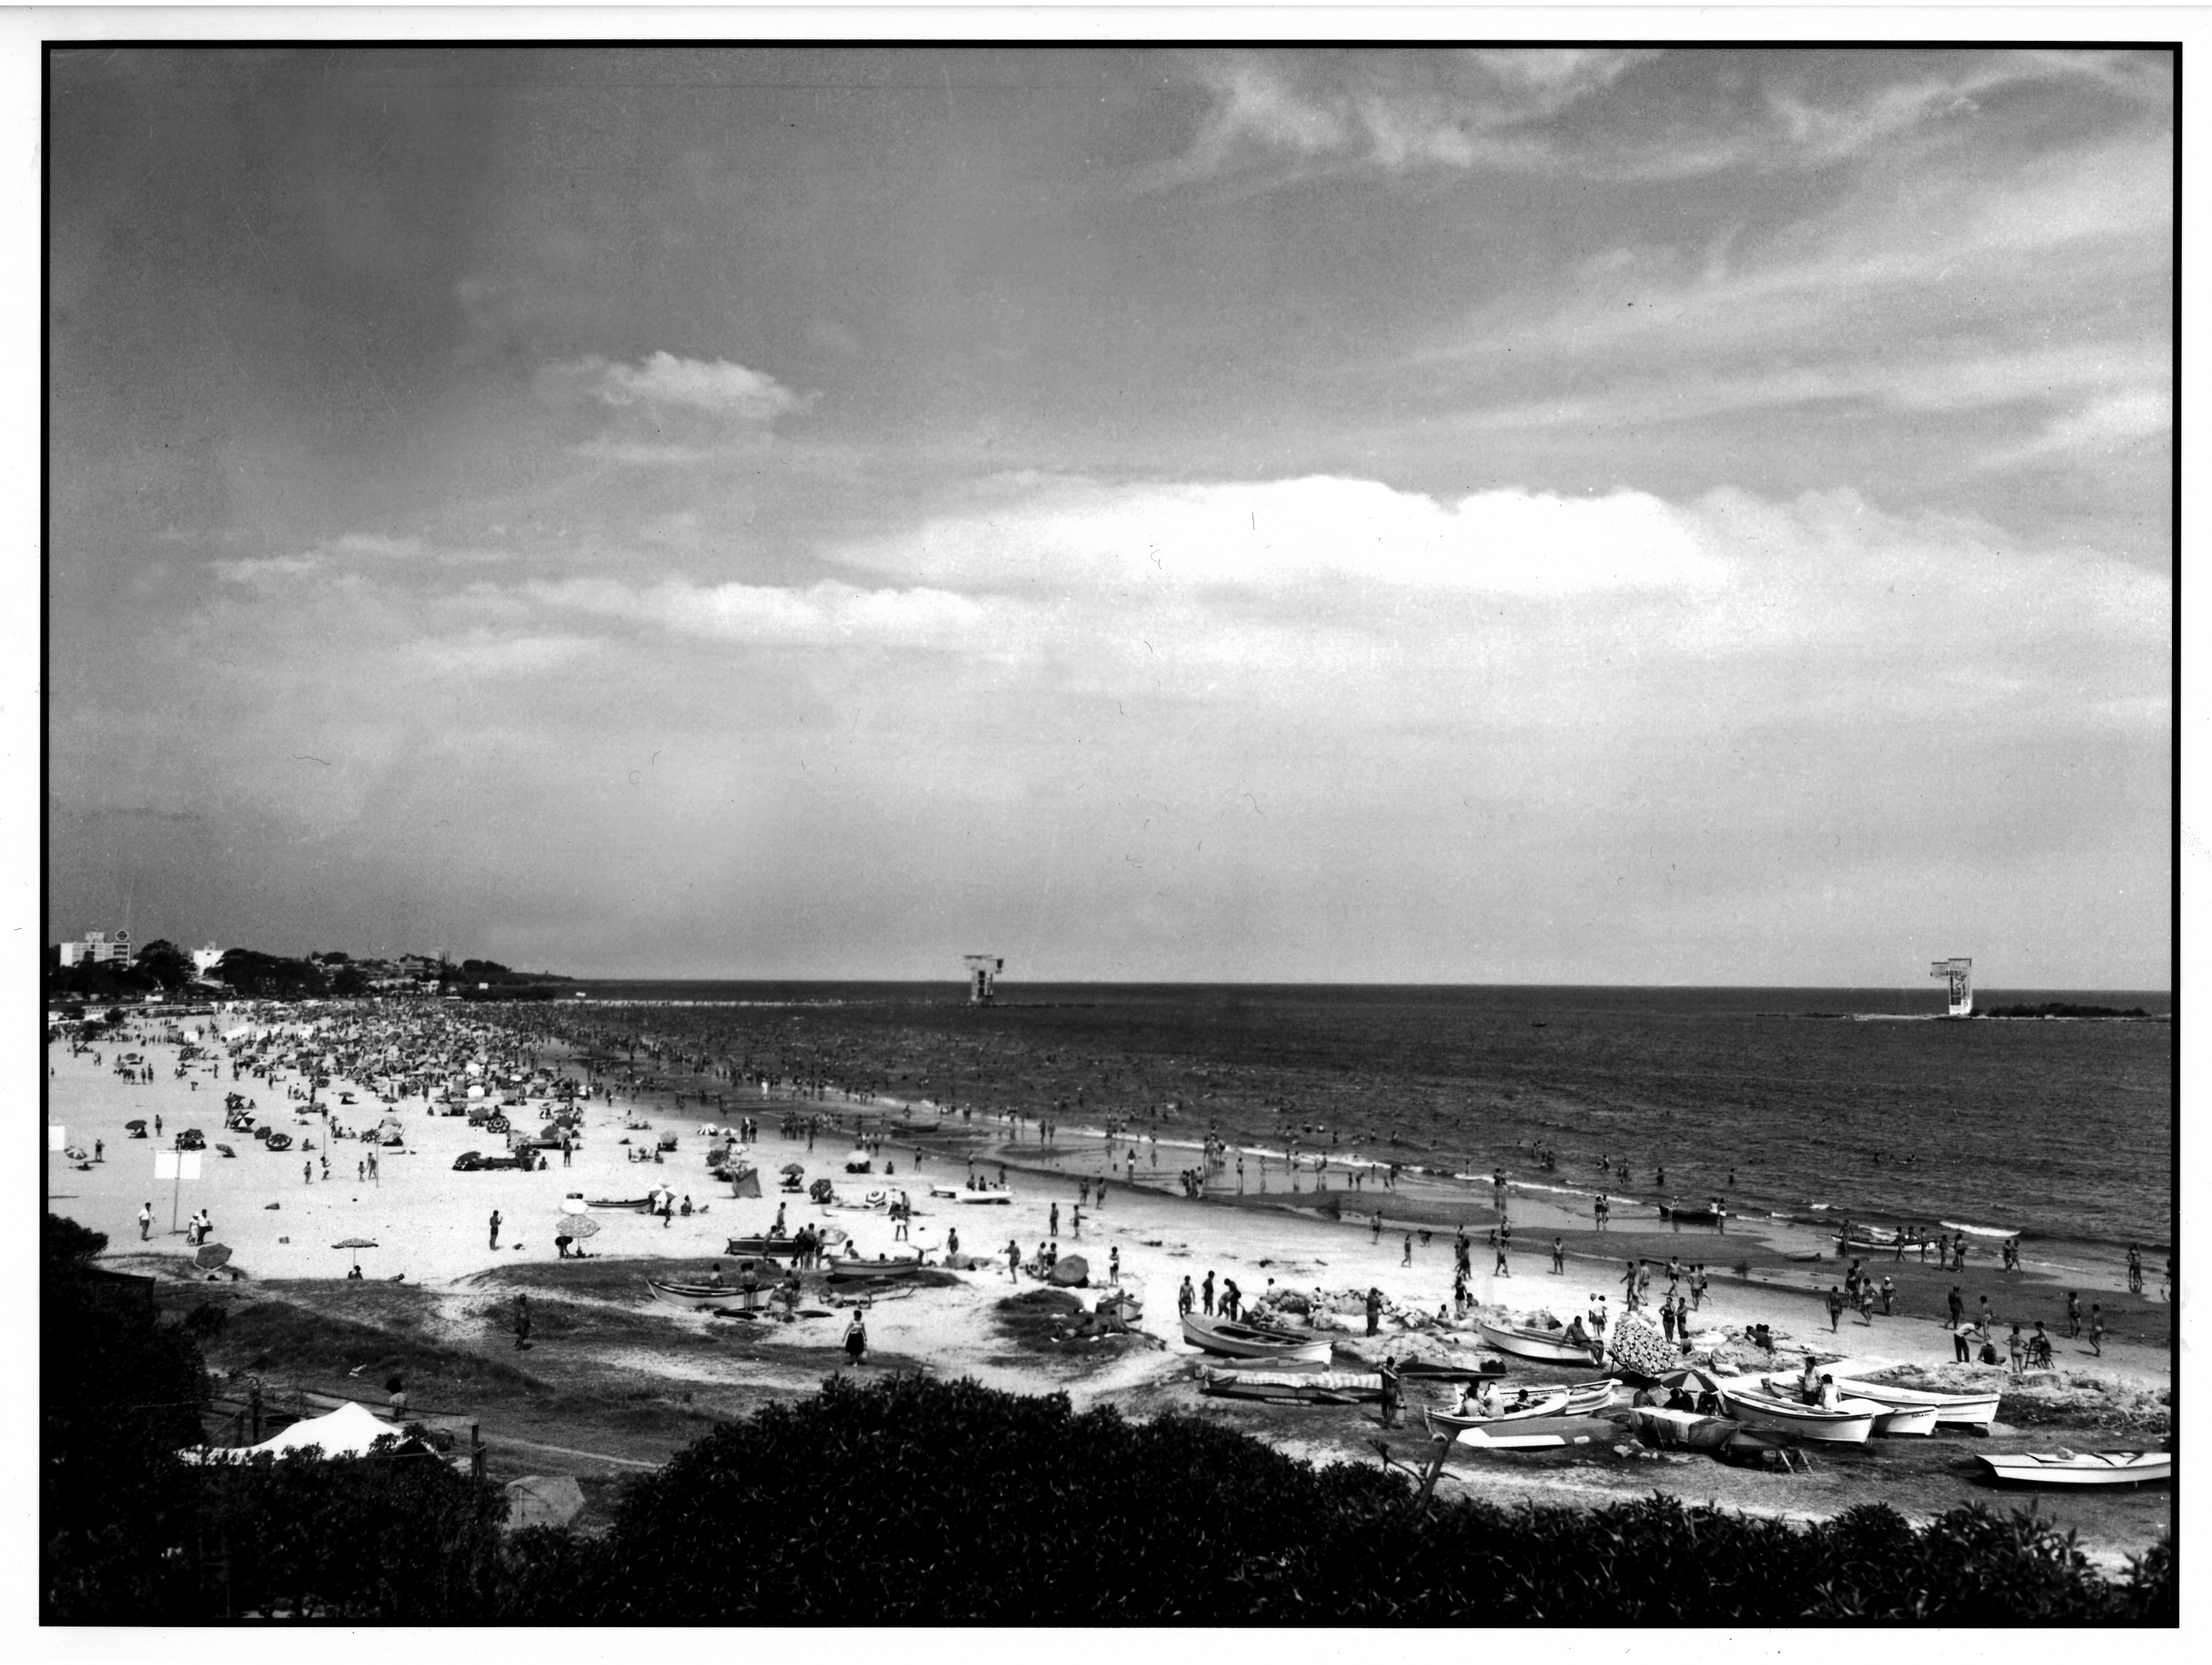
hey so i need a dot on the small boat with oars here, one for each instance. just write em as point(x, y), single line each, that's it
point(1235, 1340)
point(1547, 1346)
point(2080, 1468)
point(1852, 1423)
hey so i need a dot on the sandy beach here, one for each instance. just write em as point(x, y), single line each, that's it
point(431, 1226)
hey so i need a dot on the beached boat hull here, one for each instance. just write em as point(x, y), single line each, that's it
point(1804, 1422)
point(2087, 1468)
point(1529, 1433)
point(1244, 1341)
point(1303, 1387)
point(829, 1238)
point(1890, 1421)
point(1952, 1410)
point(1446, 1422)
point(1537, 1344)
point(850, 1271)
point(1693, 1216)
point(693, 1296)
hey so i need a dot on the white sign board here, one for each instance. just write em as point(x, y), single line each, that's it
point(57, 1136)
point(176, 1164)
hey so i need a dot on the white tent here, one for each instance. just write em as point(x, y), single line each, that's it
point(348, 1431)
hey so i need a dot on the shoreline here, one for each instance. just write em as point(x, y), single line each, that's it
point(605, 1342)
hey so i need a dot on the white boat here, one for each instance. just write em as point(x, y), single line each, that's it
point(1551, 1404)
point(694, 1295)
point(2082, 1467)
point(1525, 1433)
point(1890, 1420)
point(1952, 1410)
point(1551, 1346)
point(1851, 1425)
point(1236, 1340)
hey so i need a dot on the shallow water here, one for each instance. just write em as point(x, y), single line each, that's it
point(2057, 1130)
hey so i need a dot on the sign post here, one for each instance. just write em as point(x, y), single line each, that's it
point(177, 1167)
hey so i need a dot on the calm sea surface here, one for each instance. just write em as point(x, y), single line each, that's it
point(2061, 1130)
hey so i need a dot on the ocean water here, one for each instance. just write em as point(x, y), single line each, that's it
point(2061, 1131)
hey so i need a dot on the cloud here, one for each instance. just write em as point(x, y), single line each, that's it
point(1047, 533)
point(828, 613)
point(716, 388)
point(1397, 111)
point(2095, 435)
point(1544, 109)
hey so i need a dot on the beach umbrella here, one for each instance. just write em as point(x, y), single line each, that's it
point(134, 1127)
point(356, 1244)
point(577, 1225)
point(795, 1169)
point(574, 1205)
point(1699, 1381)
point(211, 1255)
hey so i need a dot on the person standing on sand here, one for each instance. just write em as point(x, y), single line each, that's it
point(1985, 1320)
point(1375, 1234)
point(2073, 1314)
point(856, 1340)
point(1559, 1257)
point(1374, 1308)
point(1958, 1305)
point(495, 1228)
point(1055, 1217)
point(1501, 1270)
point(1013, 1260)
point(1185, 1299)
point(146, 1226)
point(1835, 1308)
point(1888, 1297)
point(2097, 1329)
point(1960, 1350)
point(1206, 1294)
point(521, 1322)
point(1866, 1302)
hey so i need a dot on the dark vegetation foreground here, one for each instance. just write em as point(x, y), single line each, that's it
point(907, 1499)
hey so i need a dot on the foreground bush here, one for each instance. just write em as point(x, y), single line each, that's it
point(913, 1500)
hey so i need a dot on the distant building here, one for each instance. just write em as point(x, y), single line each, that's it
point(99, 948)
point(206, 959)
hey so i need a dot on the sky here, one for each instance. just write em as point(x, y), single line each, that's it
point(1501, 515)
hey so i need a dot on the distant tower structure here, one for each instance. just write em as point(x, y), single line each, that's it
point(983, 970)
point(1959, 974)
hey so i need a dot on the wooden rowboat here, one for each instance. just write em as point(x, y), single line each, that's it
point(1693, 1216)
point(1952, 1410)
point(1236, 1340)
point(2076, 1468)
point(694, 1296)
point(828, 1239)
point(1552, 1403)
point(1550, 1346)
point(1850, 1425)
point(850, 1268)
